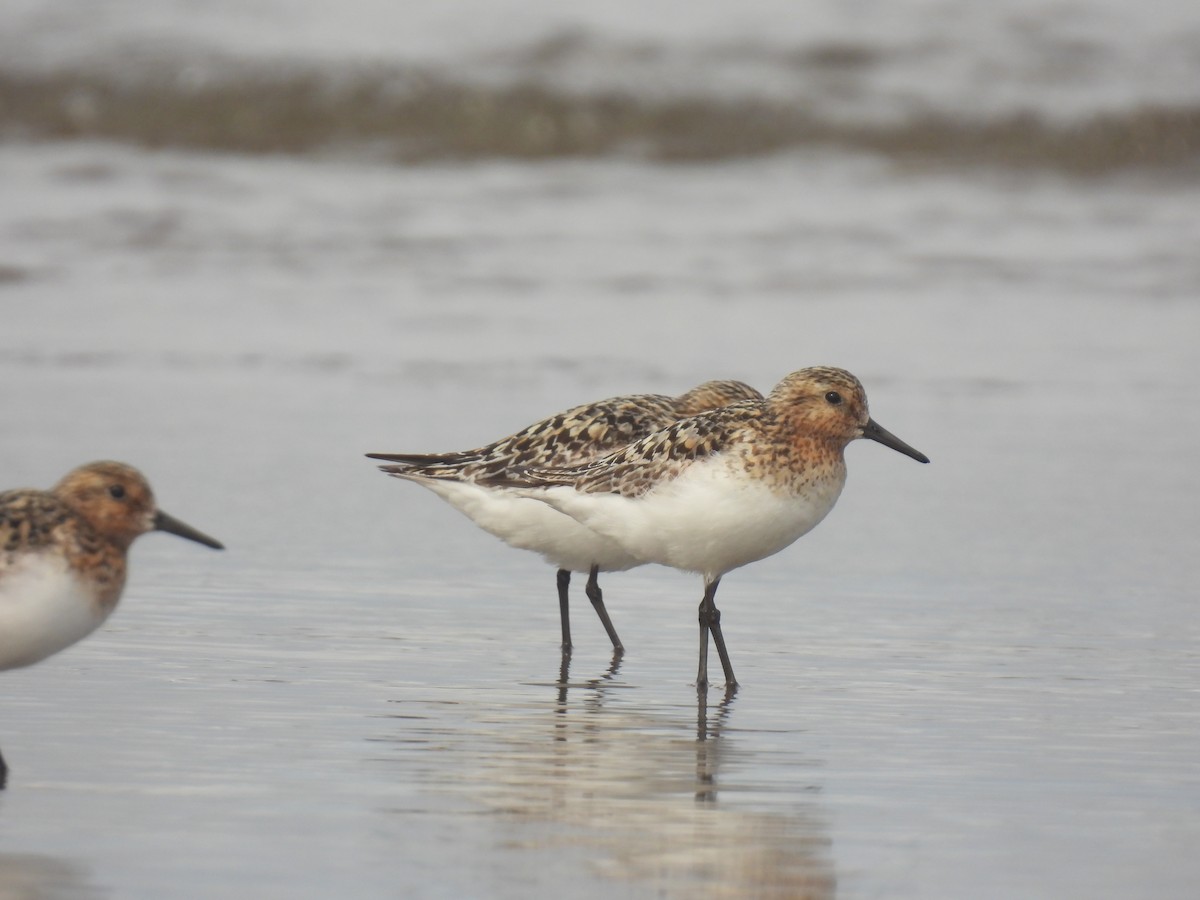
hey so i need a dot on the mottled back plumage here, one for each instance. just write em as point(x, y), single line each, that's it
point(572, 437)
point(29, 521)
point(634, 469)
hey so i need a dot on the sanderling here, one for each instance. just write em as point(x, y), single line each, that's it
point(62, 564)
point(721, 489)
point(572, 437)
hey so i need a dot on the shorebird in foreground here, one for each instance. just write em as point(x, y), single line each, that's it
point(721, 489)
point(62, 558)
point(575, 436)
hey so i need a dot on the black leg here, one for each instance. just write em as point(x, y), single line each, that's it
point(594, 594)
point(719, 641)
point(710, 620)
point(705, 617)
point(3, 772)
point(564, 608)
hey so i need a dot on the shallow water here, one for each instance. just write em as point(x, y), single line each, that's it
point(976, 678)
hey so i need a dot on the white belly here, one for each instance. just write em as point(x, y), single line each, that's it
point(531, 525)
point(44, 608)
point(708, 520)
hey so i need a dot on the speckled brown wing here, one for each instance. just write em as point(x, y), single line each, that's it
point(570, 438)
point(658, 457)
point(29, 520)
point(582, 433)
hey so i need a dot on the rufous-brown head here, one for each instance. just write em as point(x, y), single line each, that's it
point(831, 402)
point(116, 500)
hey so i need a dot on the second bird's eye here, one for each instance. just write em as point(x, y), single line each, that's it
point(834, 397)
point(116, 491)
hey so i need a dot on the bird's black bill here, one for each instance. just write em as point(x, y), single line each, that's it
point(171, 525)
point(877, 432)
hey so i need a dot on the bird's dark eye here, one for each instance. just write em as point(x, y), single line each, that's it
point(834, 398)
point(116, 491)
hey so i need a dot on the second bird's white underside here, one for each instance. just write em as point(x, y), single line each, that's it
point(44, 608)
point(531, 525)
point(711, 519)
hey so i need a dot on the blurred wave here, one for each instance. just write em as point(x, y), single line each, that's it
point(420, 114)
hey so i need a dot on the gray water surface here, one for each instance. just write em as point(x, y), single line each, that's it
point(977, 678)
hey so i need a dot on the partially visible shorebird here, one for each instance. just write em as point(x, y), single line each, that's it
point(572, 437)
point(63, 558)
point(720, 489)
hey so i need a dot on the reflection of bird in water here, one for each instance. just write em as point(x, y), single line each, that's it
point(640, 793)
point(721, 489)
point(574, 436)
point(597, 687)
point(62, 557)
point(708, 751)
